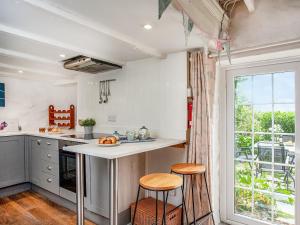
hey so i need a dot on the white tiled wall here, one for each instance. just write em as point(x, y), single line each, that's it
point(27, 101)
point(150, 92)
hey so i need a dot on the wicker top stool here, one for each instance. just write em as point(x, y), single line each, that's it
point(158, 182)
point(190, 170)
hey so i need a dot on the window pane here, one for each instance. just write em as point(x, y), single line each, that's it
point(263, 177)
point(262, 118)
point(288, 141)
point(243, 90)
point(284, 87)
point(284, 209)
point(284, 118)
point(243, 118)
point(263, 206)
point(243, 174)
point(262, 89)
point(263, 147)
point(284, 180)
point(243, 146)
point(243, 201)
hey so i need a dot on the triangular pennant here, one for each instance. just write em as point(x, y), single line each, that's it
point(162, 6)
point(190, 25)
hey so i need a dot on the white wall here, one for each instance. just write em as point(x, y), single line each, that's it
point(150, 92)
point(272, 21)
point(27, 101)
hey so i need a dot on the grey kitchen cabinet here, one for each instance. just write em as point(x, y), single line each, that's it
point(13, 161)
point(97, 184)
point(44, 163)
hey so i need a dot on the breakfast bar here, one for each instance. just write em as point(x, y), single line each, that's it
point(112, 154)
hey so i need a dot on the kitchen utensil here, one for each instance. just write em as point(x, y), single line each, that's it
point(144, 133)
point(131, 135)
point(100, 93)
point(109, 145)
point(106, 91)
point(108, 82)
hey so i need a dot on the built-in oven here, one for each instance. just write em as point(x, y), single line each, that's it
point(67, 168)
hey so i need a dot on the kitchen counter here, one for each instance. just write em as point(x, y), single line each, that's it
point(122, 150)
point(46, 135)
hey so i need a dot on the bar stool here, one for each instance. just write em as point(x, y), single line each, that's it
point(190, 169)
point(158, 182)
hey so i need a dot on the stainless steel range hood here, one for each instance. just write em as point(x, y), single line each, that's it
point(89, 65)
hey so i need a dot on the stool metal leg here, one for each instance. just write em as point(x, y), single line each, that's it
point(184, 208)
point(136, 204)
point(156, 210)
point(194, 215)
point(210, 208)
point(164, 214)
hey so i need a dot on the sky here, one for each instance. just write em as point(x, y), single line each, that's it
point(258, 90)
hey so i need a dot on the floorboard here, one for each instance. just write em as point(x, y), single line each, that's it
point(30, 208)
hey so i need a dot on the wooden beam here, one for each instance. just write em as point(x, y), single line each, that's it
point(250, 5)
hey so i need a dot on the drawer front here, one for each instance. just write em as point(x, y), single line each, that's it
point(50, 156)
point(50, 144)
point(50, 183)
point(50, 168)
point(45, 143)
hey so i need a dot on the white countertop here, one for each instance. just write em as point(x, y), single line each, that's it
point(122, 150)
point(45, 135)
point(89, 147)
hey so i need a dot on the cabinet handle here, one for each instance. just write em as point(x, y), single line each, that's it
point(49, 180)
point(38, 142)
point(48, 143)
point(49, 155)
point(49, 167)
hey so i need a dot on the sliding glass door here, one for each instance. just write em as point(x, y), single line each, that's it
point(262, 108)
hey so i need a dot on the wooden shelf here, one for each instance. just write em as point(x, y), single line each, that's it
point(69, 117)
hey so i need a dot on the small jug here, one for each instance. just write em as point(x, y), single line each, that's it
point(144, 133)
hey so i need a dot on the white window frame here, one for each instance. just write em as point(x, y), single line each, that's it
point(227, 155)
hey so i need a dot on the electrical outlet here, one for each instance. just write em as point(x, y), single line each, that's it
point(112, 118)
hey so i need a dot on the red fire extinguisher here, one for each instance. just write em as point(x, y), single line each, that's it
point(190, 110)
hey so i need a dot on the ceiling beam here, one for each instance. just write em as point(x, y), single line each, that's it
point(23, 55)
point(34, 71)
point(96, 27)
point(250, 5)
point(52, 42)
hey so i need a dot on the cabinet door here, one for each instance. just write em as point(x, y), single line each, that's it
point(35, 161)
point(97, 183)
point(12, 161)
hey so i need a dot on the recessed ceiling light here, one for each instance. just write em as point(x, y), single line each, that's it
point(20, 71)
point(147, 26)
point(62, 55)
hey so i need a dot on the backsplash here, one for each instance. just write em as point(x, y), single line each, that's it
point(150, 92)
point(27, 102)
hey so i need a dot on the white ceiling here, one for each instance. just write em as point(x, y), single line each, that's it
point(33, 33)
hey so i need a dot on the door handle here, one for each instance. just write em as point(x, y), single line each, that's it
point(38, 142)
point(49, 167)
point(49, 180)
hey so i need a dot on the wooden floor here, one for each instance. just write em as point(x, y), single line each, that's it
point(30, 208)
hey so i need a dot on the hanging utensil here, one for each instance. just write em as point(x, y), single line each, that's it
point(106, 91)
point(108, 82)
point(100, 93)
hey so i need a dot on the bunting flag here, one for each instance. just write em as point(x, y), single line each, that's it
point(187, 25)
point(163, 5)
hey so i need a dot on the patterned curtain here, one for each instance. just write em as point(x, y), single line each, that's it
point(202, 82)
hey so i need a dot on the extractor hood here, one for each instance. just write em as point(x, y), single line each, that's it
point(89, 65)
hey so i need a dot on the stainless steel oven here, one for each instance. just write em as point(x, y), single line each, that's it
point(67, 168)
